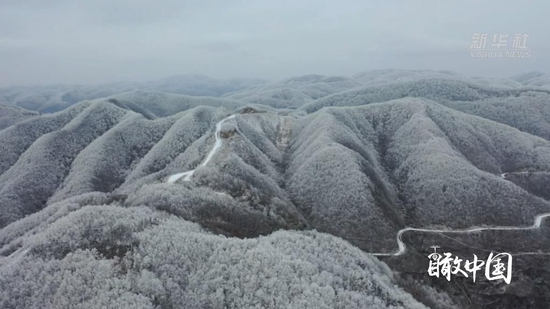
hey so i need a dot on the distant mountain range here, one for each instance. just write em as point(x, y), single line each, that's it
point(53, 98)
point(288, 93)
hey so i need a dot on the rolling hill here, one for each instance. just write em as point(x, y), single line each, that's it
point(292, 187)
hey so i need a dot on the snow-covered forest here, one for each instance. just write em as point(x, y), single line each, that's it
point(314, 175)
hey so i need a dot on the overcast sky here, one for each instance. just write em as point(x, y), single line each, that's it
point(63, 41)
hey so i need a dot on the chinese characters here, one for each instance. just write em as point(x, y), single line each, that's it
point(499, 45)
point(496, 267)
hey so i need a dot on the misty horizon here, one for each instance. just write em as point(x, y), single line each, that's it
point(260, 79)
point(69, 43)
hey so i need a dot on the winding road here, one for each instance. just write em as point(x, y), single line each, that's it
point(187, 175)
point(402, 248)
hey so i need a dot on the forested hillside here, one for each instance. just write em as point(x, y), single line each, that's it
point(282, 205)
point(10, 115)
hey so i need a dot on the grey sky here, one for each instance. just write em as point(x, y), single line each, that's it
point(62, 41)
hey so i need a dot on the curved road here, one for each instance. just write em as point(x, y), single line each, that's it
point(175, 177)
point(402, 248)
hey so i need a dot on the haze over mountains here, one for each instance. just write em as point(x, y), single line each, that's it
point(52, 98)
point(314, 173)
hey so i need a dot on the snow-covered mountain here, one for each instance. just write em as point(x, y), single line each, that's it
point(305, 179)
